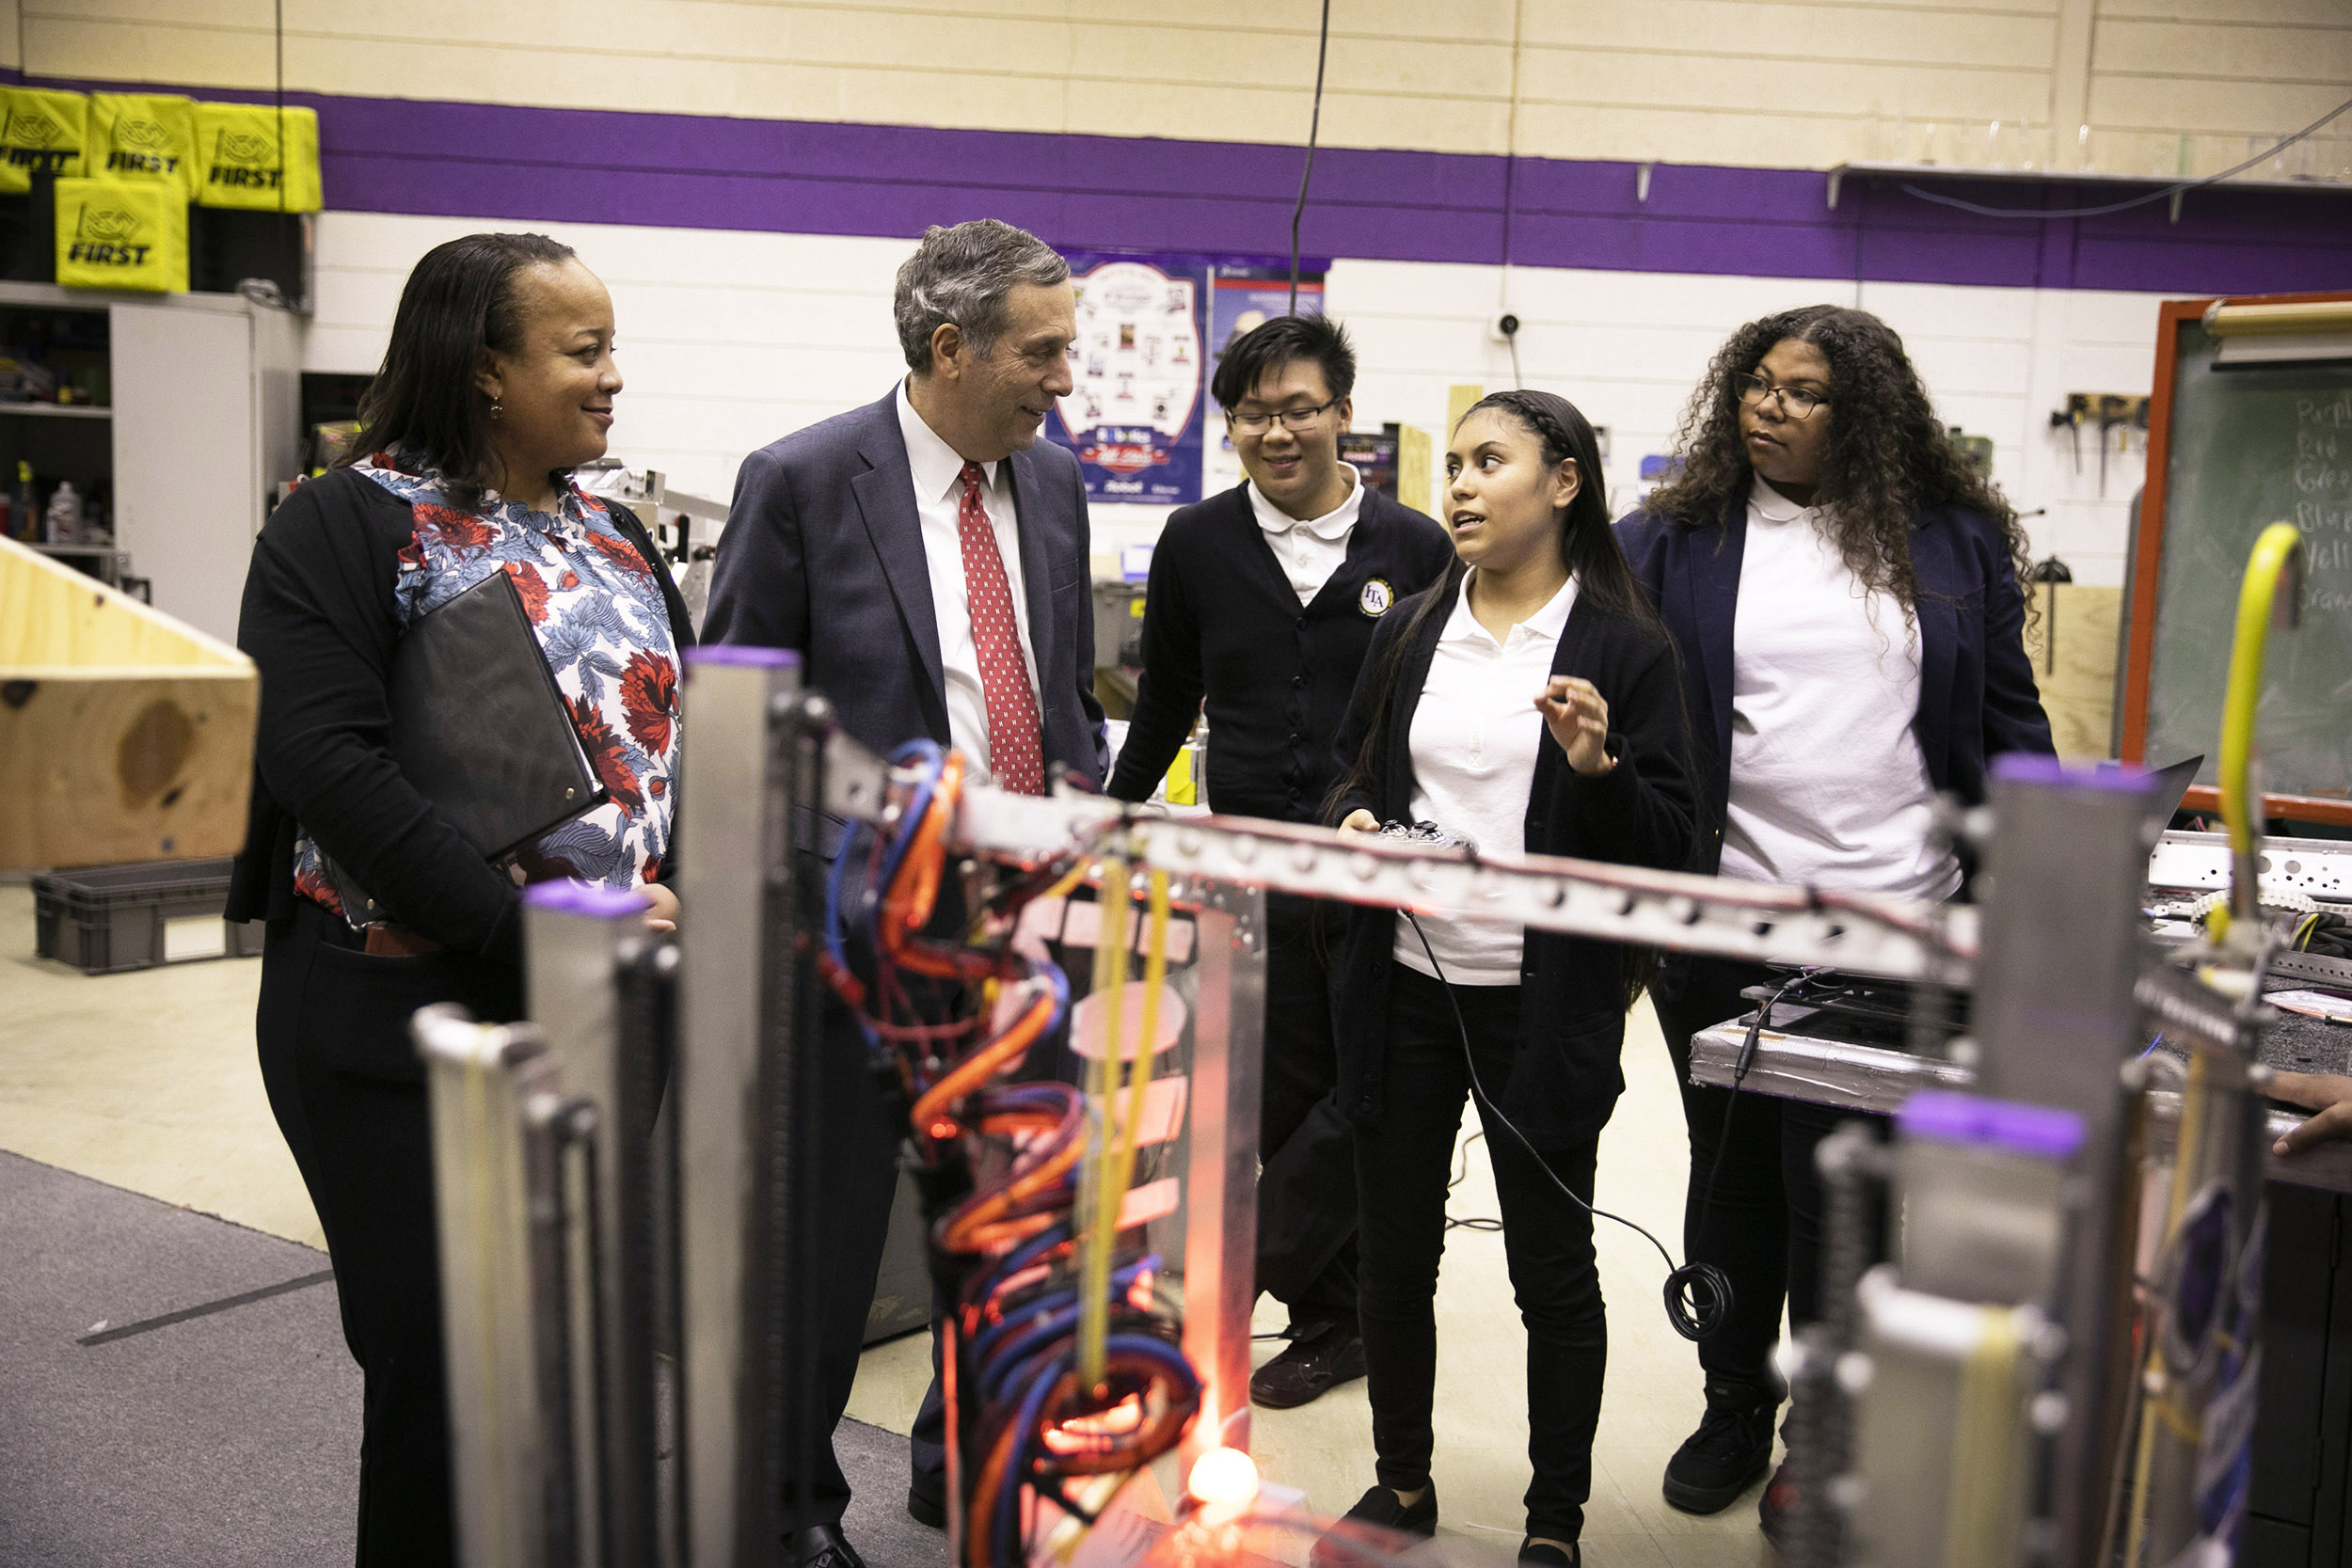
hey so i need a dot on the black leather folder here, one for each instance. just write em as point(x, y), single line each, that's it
point(480, 727)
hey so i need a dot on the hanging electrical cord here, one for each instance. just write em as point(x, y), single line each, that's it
point(1461, 1173)
point(2166, 193)
point(1315, 131)
point(1694, 1315)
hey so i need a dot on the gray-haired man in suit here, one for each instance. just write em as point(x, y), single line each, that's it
point(928, 560)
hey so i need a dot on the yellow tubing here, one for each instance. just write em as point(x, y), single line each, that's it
point(1096, 1236)
point(2277, 552)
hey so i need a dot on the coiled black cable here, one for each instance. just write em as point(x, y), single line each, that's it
point(1694, 1315)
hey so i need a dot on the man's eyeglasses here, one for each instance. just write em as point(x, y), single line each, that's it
point(1293, 418)
point(1795, 401)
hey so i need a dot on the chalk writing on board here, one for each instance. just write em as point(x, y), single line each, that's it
point(2250, 445)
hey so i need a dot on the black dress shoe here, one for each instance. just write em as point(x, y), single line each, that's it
point(1317, 1360)
point(1730, 1452)
point(1543, 1554)
point(1366, 1535)
point(925, 1507)
point(821, 1546)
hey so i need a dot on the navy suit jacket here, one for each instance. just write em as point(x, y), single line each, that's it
point(1977, 693)
point(823, 554)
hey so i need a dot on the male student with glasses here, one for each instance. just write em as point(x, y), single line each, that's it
point(1261, 603)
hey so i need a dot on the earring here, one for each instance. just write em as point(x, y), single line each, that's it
point(497, 409)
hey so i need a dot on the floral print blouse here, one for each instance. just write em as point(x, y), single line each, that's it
point(597, 609)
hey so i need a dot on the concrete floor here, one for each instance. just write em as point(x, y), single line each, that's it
point(148, 1081)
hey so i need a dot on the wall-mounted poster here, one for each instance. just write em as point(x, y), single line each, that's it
point(1132, 416)
point(1150, 329)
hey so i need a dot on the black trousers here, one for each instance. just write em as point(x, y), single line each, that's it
point(1402, 1163)
point(348, 1093)
point(857, 1163)
point(1764, 1225)
point(1307, 1190)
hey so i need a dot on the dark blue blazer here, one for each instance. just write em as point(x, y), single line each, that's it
point(824, 553)
point(1977, 693)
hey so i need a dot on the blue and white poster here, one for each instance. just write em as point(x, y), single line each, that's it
point(1133, 417)
point(1151, 328)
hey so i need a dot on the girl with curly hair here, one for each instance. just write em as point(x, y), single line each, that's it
point(1843, 589)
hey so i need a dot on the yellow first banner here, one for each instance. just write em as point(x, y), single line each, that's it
point(41, 131)
point(122, 235)
point(142, 136)
point(258, 157)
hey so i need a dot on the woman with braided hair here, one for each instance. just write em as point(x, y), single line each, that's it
point(1527, 702)
point(1843, 589)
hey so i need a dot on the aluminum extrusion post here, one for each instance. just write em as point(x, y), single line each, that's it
point(2055, 1020)
point(579, 939)
point(505, 1323)
point(1221, 1164)
point(736, 840)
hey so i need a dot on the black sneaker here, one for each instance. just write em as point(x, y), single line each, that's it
point(1730, 1452)
point(1366, 1535)
point(1317, 1360)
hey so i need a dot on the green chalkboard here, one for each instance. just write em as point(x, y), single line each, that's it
point(2252, 446)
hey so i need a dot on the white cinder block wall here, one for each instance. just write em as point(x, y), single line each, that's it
point(730, 339)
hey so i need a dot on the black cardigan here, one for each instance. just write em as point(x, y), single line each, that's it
point(1565, 1074)
point(320, 622)
point(1221, 621)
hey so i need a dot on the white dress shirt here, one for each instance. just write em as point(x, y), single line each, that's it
point(1309, 548)
point(1828, 784)
point(938, 496)
point(1476, 736)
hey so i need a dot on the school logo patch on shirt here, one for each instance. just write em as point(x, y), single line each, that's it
point(1377, 597)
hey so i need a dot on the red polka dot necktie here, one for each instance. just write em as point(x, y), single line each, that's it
point(1014, 755)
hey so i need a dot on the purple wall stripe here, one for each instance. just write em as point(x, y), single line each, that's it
point(591, 166)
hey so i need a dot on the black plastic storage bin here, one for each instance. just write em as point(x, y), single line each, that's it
point(106, 919)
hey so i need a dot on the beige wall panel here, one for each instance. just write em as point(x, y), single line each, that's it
point(2243, 13)
point(1690, 82)
point(2260, 53)
point(136, 49)
point(1261, 114)
point(1686, 136)
point(1878, 34)
point(1403, 19)
point(2253, 108)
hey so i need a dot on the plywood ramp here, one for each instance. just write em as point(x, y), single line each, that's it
point(124, 734)
point(2079, 686)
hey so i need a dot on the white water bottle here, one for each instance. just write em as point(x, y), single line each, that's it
point(63, 523)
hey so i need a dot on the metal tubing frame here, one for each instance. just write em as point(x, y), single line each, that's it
point(505, 1322)
point(1868, 934)
point(738, 842)
point(580, 942)
point(1221, 1168)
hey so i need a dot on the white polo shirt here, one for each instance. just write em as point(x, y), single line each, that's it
point(1829, 786)
point(1476, 736)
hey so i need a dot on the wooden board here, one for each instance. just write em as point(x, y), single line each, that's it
point(2078, 685)
point(124, 735)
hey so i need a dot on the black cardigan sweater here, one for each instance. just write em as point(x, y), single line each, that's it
point(1221, 621)
point(1565, 1074)
point(320, 622)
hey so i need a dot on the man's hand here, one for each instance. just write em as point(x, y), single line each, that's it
point(2325, 1093)
point(1360, 821)
point(661, 908)
point(1577, 716)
